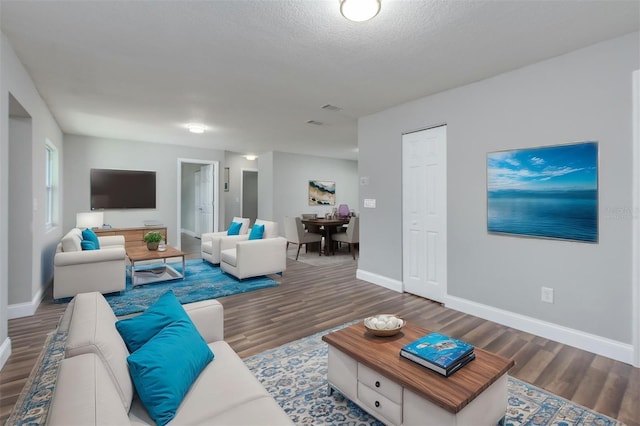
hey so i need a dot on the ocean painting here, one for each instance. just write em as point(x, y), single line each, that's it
point(322, 193)
point(546, 192)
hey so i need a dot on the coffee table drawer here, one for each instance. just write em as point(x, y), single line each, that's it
point(380, 384)
point(379, 405)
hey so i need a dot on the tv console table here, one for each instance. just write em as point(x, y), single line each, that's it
point(133, 237)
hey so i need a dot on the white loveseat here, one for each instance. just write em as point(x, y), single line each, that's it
point(81, 271)
point(94, 386)
point(244, 258)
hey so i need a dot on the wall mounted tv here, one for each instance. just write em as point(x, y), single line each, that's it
point(122, 189)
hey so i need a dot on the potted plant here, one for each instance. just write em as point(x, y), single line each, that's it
point(152, 239)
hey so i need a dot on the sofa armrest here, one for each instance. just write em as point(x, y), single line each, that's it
point(85, 394)
point(88, 256)
point(109, 241)
point(208, 317)
point(208, 236)
point(230, 241)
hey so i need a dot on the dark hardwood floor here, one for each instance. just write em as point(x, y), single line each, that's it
point(311, 299)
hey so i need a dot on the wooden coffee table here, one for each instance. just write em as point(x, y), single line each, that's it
point(150, 274)
point(369, 371)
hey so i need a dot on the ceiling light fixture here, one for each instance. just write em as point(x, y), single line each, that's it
point(359, 10)
point(251, 157)
point(196, 128)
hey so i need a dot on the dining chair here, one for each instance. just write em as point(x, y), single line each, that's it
point(295, 234)
point(352, 236)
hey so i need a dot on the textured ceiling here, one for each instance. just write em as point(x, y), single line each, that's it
point(256, 71)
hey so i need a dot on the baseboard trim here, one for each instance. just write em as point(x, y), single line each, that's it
point(26, 309)
point(380, 280)
point(5, 352)
point(589, 342)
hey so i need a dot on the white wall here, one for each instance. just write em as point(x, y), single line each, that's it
point(291, 176)
point(581, 96)
point(15, 80)
point(20, 209)
point(84, 153)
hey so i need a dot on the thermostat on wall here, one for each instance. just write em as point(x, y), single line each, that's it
point(369, 203)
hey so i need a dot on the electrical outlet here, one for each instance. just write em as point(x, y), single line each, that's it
point(546, 294)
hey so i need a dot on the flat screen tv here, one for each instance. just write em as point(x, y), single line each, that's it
point(122, 189)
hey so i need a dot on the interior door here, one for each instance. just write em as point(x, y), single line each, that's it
point(424, 211)
point(249, 206)
point(206, 198)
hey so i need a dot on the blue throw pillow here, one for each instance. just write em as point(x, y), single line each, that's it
point(164, 369)
point(137, 331)
point(234, 228)
point(87, 245)
point(256, 232)
point(89, 235)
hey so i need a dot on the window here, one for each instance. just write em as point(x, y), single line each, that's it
point(51, 179)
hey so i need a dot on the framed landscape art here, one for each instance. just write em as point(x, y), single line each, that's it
point(544, 192)
point(322, 193)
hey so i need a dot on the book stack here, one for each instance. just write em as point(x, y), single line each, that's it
point(440, 353)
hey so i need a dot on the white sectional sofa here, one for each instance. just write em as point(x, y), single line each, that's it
point(80, 271)
point(94, 386)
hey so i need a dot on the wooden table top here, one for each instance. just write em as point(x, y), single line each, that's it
point(139, 253)
point(320, 221)
point(382, 354)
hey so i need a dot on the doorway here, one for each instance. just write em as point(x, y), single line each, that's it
point(249, 195)
point(424, 213)
point(198, 198)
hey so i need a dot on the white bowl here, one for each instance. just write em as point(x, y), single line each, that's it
point(384, 324)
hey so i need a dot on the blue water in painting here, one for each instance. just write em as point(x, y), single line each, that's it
point(571, 215)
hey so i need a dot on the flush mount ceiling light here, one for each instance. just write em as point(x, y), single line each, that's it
point(196, 127)
point(251, 157)
point(359, 10)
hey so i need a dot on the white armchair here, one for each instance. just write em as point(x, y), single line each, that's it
point(211, 242)
point(81, 271)
point(252, 258)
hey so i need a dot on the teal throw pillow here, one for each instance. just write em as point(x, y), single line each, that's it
point(164, 369)
point(87, 245)
point(256, 232)
point(89, 235)
point(234, 228)
point(137, 331)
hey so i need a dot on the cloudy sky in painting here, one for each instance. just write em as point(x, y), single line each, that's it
point(562, 167)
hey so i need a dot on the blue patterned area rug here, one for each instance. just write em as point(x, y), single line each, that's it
point(203, 281)
point(295, 374)
point(32, 406)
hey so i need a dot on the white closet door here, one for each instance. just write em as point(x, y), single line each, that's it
point(424, 211)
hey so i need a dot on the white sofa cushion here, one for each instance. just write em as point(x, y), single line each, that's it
point(270, 228)
point(71, 241)
point(226, 388)
point(93, 330)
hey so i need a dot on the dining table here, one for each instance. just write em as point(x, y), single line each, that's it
point(328, 227)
